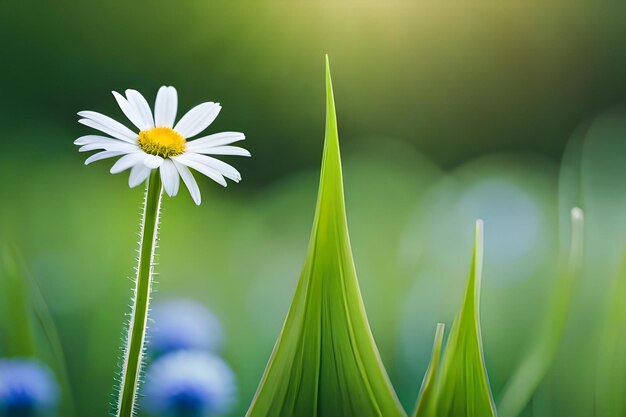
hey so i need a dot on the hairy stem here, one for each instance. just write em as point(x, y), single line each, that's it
point(133, 354)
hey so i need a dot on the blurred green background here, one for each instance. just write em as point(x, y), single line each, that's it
point(448, 111)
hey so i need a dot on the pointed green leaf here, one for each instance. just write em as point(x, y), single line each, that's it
point(325, 362)
point(463, 388)
point(427, 399)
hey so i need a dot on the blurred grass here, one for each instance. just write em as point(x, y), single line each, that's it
point(611, 368)
point(27, 324)
point(17, 315)
point(490, 94)
point(531, 370)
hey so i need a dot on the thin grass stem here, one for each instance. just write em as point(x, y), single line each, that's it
point(533, 368)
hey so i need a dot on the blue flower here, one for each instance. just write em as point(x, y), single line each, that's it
point(183, 325)
point(26, 387)
point(189, 383)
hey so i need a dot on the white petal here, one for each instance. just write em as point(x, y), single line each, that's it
point(127, 161)
point(197, 119)
point(170, 178)
point(214, 140)
point(165, 107)
point(153, 161)
point(141, 107)
point(107, 125)
point(226, 150)
point(129, 110)
point(210, 172)
point(102, 155)
point(189, 181)
point(222, 167)
point(109, 145)
point(138, 174)
point(85, 140)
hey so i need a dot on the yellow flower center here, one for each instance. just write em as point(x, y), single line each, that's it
point(162, 141)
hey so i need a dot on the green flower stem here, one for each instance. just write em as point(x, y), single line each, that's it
point(133, 354)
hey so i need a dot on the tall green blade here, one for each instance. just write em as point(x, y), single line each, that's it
point(427, 399)
point(463, 388)
point(325, 362)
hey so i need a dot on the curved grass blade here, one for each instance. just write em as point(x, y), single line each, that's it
point(427, 399)
point(463, 388)
point(18, 320)
point(51, 334)
point(611, 370)
point(26, 298)
point(325, 361)
point(536, 363)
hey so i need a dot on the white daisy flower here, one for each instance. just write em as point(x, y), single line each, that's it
point(161, 144)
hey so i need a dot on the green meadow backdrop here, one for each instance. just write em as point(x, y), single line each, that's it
point(447, 112)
